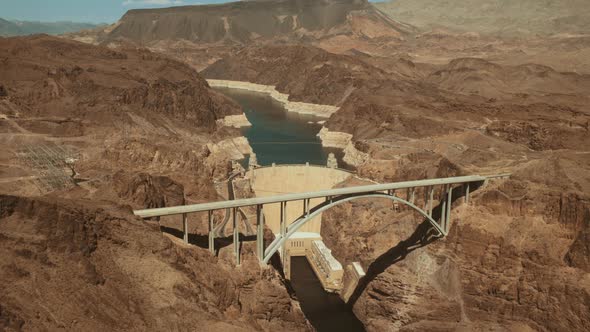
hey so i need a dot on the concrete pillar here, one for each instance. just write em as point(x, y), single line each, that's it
point(391, 192)
point(430, 200)
point(185, 227)
point(211, 233)
point(259, 233)
point(287, 265)
point(467, 193)
point(236, 235)
point(283, 232)
point(412, 195)
point(443, 201)
point(449, 202)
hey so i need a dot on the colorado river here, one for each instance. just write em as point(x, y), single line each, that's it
point(277, 135)
point(325, 311)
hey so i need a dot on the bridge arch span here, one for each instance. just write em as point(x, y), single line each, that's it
point(281, 240)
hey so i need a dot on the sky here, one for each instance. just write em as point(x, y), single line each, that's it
point(91, 11)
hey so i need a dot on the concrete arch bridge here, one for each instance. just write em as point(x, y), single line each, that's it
point(404, 193)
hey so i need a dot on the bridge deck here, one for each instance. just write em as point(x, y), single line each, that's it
point(167, 211)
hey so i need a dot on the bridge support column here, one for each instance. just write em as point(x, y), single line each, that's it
point(236, 235)
point(449, 202)
point(283, 225)
point(391, 192)
point(185, 227)
point(467, 193)
point(430, 200)
point(211, 233)
point(259, 233)
point(443, 211)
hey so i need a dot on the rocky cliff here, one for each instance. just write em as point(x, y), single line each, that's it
point(134, 129)
point(248, 21)
point(79, 265)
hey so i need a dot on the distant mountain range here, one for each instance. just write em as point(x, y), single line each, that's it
point(20, 28)
point(506, 17)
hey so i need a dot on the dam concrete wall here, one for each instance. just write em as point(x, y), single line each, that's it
point(287, 179)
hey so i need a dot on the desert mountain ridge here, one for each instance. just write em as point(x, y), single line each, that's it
point(509, 18)
point(10, 28)
point(248, 21)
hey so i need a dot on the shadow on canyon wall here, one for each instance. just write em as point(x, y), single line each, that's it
point(202, 241)
point(424, 235)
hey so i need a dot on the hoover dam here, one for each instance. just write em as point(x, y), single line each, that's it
point(291, 159)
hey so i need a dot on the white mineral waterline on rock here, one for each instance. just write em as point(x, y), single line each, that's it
point(236, 121)
point(340, 140)
point(292, 106)
point(233, 148)
point(334, 139)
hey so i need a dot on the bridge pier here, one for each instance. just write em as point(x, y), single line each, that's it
point(259, 233)
point(185, 228)
point(236, 235)
point(211, 233)
point(283, 228)
point(449, 202)
point(467, 193)
point(430, 200)
point(443, 209)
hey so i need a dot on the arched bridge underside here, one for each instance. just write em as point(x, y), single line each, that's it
point(433, 192)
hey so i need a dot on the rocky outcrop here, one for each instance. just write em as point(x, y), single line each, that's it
point(578, 254)
point(57, 78)
point(332, 139)
point(236, 121)
point(231, 148)
point(96, 267)
point(145, 191)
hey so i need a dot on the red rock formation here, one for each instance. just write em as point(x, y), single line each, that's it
point(85, 266)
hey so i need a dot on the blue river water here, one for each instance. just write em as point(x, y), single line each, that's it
point(280, 136)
